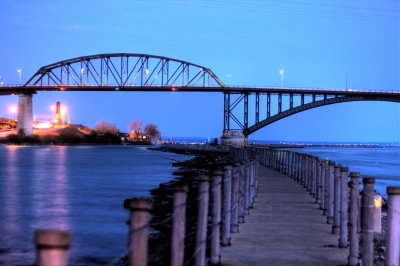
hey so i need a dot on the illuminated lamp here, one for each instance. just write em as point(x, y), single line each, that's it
point(117, 89)
point(174, 89)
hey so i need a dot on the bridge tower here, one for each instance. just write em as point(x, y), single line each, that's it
point(25, 115)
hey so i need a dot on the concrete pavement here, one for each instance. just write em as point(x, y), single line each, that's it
point(285, 227)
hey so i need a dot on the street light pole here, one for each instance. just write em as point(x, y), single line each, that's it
point(20, 76)
point(281, 72)
point(82, 69)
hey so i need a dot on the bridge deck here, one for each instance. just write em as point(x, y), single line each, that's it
point(285, 227)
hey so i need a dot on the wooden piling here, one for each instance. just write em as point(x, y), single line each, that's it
point(178, 225)
point(235, 198)
point(227, 206)
point(353, 221)
point(323, 186)
point(367, 250)
point(331, 192)
point(138, 230)
point(393, 224)
point(344, 207)
point(215, 253)
point(202, 217)
point(336, 204)
point(52, 247)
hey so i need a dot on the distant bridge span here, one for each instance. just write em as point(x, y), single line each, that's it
point(141, 72)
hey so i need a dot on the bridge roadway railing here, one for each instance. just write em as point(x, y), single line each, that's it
point(198, 212)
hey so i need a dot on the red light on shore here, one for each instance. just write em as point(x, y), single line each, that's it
point(62, 89)
point(174, 89)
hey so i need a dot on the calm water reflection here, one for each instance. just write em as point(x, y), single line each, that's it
point(80, 189)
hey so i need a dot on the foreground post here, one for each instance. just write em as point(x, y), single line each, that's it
point(138, 230)
point(367, 252)
point(353, 222)
point(52, 247)
point(393, 232)
point(202, 215)
point(215, 218)
point(178, 225)
point(226, 208)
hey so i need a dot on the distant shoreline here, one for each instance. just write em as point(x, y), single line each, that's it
point(277, 146)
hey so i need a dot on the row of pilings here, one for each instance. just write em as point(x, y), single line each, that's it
point(191, 217)
point(337, 192)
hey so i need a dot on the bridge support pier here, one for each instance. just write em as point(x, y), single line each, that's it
point(25, 114)
point(234, 138)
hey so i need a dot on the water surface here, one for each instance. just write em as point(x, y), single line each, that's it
point(75, 188)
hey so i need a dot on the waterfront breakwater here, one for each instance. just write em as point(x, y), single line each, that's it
point(196, 214)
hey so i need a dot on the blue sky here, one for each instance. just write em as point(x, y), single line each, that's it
point(244, 42)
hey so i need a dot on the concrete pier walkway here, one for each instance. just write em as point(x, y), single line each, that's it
point(285, 227)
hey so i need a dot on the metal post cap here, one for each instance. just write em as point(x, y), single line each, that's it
point(52, 238)
point(331, 163)
point(368, 180)
point(355, 174)
point(140, 203)
point(393, 190)
point(337, 165)
point(344, 169)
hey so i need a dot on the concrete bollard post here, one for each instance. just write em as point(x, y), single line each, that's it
point(393, 227)
point(344, 207)
point(367, 250)
point(178, 225)
point(235, 198)
point(215, 253)
point(138, 230)
point(202, 218)
point(331, 199)
point(227, 207)
point(52, 247)
point(336, 204)
point(353, 221)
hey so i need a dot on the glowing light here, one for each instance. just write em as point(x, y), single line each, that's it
point(63, 110)
point(62, 89)
point(43, 125)
point(13, 109)
point(378, 201)
point(174, 89)
point(281, 72)
point(53, 108)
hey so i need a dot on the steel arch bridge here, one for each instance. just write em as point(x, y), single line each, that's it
point(246, 109)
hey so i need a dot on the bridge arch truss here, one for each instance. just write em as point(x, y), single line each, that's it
point(124, 70)
point(252, 110)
